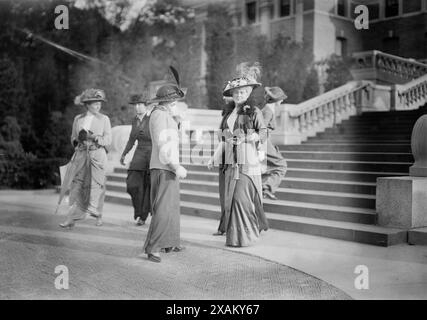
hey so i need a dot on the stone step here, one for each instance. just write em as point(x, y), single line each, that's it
point(418, 236)
point(354, 147)
point(296, 183)
point(342, 139)
point(321, 155)
point(348, 231)
point(202, 173)
point(207, 192)
point(345, 165)
point(350, 156)
point(315, 174)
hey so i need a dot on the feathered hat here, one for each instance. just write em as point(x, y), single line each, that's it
point(90, 95)
point(274, 94)
point(170, 92)
point(246, 76)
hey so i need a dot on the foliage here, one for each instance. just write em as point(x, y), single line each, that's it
point(311, 87)
point(125, 13)
point(286, 65)
point(27, 172)
point(10, 133)
point(338, 72)
point(219, 49)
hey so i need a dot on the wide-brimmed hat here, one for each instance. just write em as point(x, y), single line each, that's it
point(139, 98)
point(246, 77)
point(90, 95)
point(169, 92)
point(274, 94)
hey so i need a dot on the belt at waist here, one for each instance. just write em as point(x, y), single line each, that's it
point(90, 147)
point(144, 146)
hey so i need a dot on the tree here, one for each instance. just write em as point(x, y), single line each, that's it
point(338, 72)
point(126, 13)
point(219, 49)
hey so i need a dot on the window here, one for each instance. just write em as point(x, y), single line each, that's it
point(284, 8)
point(411, 6)
point(341, 46)
point(374, 11)
point(251, 12)
point(373, 7)
point(272, 12)
point(391, 45)
point(342, 8)
point(391, 8)
point(308, 5)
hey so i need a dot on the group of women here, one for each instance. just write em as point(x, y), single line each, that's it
point(155, 170)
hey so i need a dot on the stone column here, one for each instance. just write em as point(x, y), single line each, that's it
point(265, 10)
point(299, 20)
point(402, 201)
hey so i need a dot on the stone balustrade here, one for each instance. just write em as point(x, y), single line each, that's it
point(411, 95)
point(385, 68)
point(304, 120)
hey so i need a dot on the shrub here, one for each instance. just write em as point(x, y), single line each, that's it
point(338, 72)
point(27, 172)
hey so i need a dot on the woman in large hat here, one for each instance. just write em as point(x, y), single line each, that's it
point(242, 130)
point(138, 179)
point(276, 164)
point(165, 171)
point(85, 176)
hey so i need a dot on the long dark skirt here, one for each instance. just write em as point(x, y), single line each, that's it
point(138, 186)
point(276, 168)
point(221, 179)
point(164, 231)
point(244, 214)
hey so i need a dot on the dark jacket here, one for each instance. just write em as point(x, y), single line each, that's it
point(140, 132)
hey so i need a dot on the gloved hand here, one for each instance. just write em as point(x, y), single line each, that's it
point(82, 136)
point(181, 172)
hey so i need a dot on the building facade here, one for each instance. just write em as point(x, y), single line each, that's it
point(327, 27)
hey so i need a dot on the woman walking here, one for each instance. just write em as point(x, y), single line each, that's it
point(138, 179)
point(165, 170)
point(243, 129)
point(85, 176)
point(276, 164)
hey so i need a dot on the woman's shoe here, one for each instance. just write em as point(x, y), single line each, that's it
point(167, 250)
point(140, 222)
point(67, 224)
point(218, 233)
point(178, 249)
point(269, 194)
point(98, 222)
point(154, 258)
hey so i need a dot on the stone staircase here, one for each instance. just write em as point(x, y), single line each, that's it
point(330, 186)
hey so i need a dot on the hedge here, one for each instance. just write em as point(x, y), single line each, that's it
point(30, 173)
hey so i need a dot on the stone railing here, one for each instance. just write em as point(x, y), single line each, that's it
point(304, 120)
point(385, 68)
point(411, 95)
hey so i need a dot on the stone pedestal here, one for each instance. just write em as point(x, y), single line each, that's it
point(419, 148)
point(402, 202)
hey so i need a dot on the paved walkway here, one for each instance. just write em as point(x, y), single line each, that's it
point(103, 262)
point(397, 272)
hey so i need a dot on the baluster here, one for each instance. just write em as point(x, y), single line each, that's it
point(302, 124)
point(315, 121)
point(321, 117)
point(309, 123)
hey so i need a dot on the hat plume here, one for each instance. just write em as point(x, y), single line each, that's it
point(246, 70)
point(175, 74)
